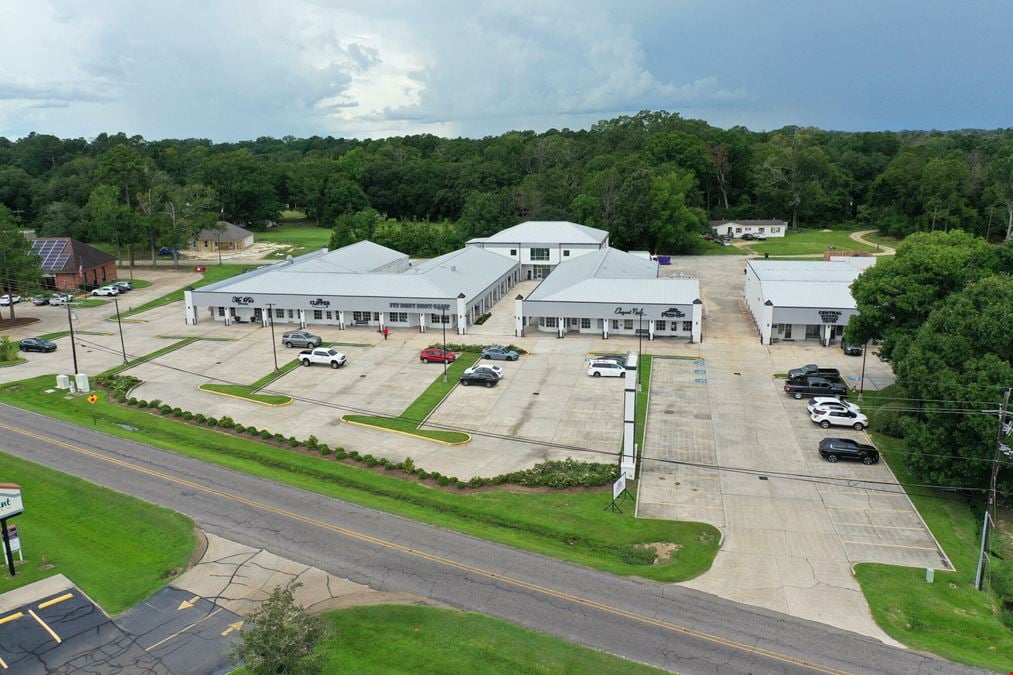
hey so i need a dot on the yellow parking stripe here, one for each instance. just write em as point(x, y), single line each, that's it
point(3, 664)
point(11, 617)
point(45, 626)
point(54, 601)
point(431, 557)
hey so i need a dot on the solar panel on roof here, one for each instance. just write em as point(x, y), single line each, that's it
point(52, 254)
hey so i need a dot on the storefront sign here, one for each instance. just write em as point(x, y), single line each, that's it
point(320, 302)
point(242, 300)
point(632, 311)
point(673, 313)
point(830, 315)
point(417, 305)
point(10, 500)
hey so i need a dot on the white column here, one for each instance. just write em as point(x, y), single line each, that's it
point(302, 318)
point(519, 316)
point(605, 328)
point(265, 316)
point(697, 334)
point(341, 319)
point(650, 330)
point(462, 316)
point(422, 322)
point(228, 316)
point(382, 314)
point(766, 322)
point(828, 330)
point(559, 326)
point(191, 309)
point(628, 464)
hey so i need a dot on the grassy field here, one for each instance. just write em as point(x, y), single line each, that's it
point(643, 395)
point(408, 422)
point(710, 248)
point(571, 526)
point(118, 549)
point(806, 242)
point(212, 274)
point(250, 391)
point(882, 239)
point(432, 640)
point(948, 617)
point(300, 237)
point(84, 303)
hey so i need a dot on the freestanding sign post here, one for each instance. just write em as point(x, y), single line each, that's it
point(618, 490)
point(10, 506)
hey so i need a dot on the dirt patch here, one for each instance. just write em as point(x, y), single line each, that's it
point(663, 551)
point(8, 324)
point(256, 251)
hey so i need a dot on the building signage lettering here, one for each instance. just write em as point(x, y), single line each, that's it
point(632, 311)
point(830, 315)
point(418, 305)
point(320, 302)
point(673, 312)
point(10, 500)
point(242, 299)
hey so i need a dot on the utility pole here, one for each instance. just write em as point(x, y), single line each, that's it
point(443, 323)
point(119, 323)
point(73, 347)
point(865, 353)
point(1001, 449)
point(274, 345)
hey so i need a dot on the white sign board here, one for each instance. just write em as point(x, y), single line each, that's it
point(12, 533)
point(618, 487)
point(10, 500)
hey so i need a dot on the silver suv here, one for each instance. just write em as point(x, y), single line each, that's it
point(301, 339)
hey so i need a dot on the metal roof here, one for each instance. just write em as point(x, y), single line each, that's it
point(803, 270)
point(362, 256)
point(229, 232)
point(66, 255)
point(546, 232)
point(468, 270)
point(804, 283)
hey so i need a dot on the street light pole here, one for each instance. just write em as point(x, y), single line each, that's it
point(640, 334)
point(443, 323)
point(73, 347)
point(274, 346)
point(119, 323)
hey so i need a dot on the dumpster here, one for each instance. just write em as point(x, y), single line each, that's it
point(664, 260)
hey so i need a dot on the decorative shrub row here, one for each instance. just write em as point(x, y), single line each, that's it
point(475, 349)
point(482, 319)
point(553, 474)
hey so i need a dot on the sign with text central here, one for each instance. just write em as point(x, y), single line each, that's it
point(10, 500)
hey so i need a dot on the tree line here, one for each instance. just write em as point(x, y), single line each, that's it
point(652, 180)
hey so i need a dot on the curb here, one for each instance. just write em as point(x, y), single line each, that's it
point(405, 433)
point(200, 387)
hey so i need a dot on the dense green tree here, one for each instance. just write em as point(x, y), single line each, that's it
point(63, 219)
point(676, 226)
point(19, 267)
point(280, 638)
point(341, 195)
point(112, 220)
point(17, 193)
point(187, 209)
point(486, 213)
point(245, 187)
point(1001, 176)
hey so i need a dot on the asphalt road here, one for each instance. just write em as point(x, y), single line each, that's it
point(663, 625)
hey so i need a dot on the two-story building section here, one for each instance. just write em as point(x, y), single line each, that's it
point(540, 245)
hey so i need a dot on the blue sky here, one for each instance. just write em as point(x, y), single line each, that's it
point(239, 69)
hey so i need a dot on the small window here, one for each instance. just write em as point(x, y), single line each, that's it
point(627, 324)
point(550, 322)
point(328, 316)
point(221, 311)
point(775, 229)
point(291, 313)
point(376, 316)
point(687, 326)
point(318, 314)
point(585, 323)
point(615, 324)
point(540, 254)
point(762, 229)
point(566, 253)
point(399, 317)
point(279, 313)
point(659, 325)
point(513, 252)
point(738, 229)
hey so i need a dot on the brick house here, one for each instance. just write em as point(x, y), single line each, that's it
point(68, 264)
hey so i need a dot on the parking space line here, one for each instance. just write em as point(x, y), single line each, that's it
point(853, 508)
point(863, 493)
point(881, 527)
point(872, 543)
point(688, 506)
point(54, 601)
point(181, 631)
point(11, 617)
point(46, 627)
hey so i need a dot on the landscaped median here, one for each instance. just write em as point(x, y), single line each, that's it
point(409, 422)
point(250, 392)
point(571, 525)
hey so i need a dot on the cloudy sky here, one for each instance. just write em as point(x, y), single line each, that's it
point(239, 69)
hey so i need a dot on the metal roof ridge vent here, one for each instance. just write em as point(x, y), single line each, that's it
point(453, 268)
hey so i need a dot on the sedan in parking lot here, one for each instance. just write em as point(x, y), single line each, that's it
point(834, 449)
point(436, 355)
point(495, 370)
point(60, 298)
point(839, 418)
point(122, 286)
point(760, 236)
point(8, 300)
point(106, 290)
point(499, 353)
point(40, 300)
point(37, 345)
point(479, 377)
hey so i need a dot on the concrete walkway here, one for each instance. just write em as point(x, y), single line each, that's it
point(881, 249)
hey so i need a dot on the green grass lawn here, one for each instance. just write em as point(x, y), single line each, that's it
point(118, 549)
point(809, 241)
point(251, 391)
point(88, 302)
point(571, 526)
point(408, 422)
point(882, 239)
point(212, 274)
point(300, 237)
point(643, 395)
point(948, 617)
point(413, 639)
point(710, 248)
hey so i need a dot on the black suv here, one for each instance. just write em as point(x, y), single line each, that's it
point(485, 377)
point(833, 449)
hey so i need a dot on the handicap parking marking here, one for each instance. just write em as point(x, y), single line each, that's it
point(701, 380)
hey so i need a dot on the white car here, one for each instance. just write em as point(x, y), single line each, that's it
point(606, 369)
point(495, 370)
point(840, 418)
point(830, 403)
point(60, 298)
point(760, 236)
point(8, 300)
point(106, 290)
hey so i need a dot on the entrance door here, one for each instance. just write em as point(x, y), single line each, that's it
point(812, 331)
point(787, 331)
point(257, 315)
point(541, 271)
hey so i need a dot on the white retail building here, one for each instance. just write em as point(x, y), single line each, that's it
point(539, 245)
point(798, 300)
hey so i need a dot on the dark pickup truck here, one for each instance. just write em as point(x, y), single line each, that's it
point(812, 369)
point(816, 386)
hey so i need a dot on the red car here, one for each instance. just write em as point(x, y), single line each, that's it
point(436, 355)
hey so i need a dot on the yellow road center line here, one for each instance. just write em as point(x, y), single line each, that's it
point(181, 631)
point(11, 617)
point(519, 583)
point(45, 626)
point(54, 601)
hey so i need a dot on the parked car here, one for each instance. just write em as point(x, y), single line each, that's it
point(165, 250)
point(481, 377)
point(495, 370)
point(812, 369)
point(499, 353)
point(839, 418)
point(122, 286)
point(829, 403)
point(436, 355)
point(833, 449)
point(106, 290)
point(606, 369)
point(40, 300)
point(301, 338)
point(8, 300)
point(324, 355)
point(617, 358)
point(37, 345)
point(60, 298)
point(748, 236)
point(760, 236)
point(851, 349)
point(815, 386)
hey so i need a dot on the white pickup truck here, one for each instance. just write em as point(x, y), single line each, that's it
point(323, 355)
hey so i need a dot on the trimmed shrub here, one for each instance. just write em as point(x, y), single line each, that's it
point(422, 474)
point(354, 454)
point(177, 412)
point(211, 422)
point(239, 429)
point(312, 442)
point(408, 465)
point(141, 403)
point(199, 417)
point(165, 409)
point(442, 481)
point(187, 415)
point(279, 437)
point(132, 401)
point(227, 422)
point(325, 451)
point(293, 441)
point(340, 453)
point(265, 434)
